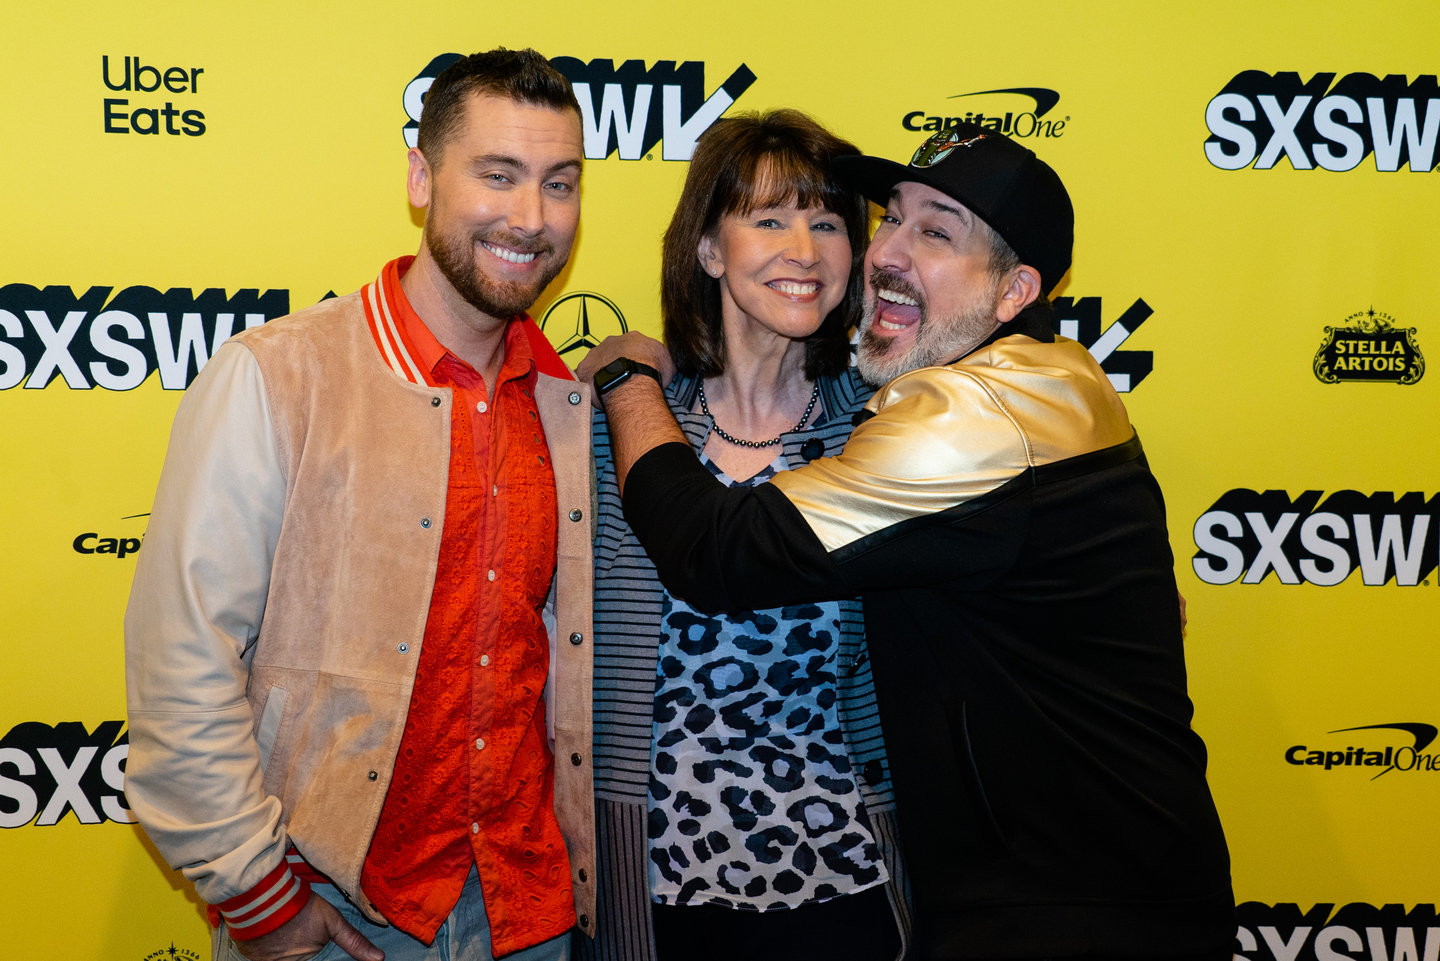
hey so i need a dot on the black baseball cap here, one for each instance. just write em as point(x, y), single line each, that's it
point(1002, 182)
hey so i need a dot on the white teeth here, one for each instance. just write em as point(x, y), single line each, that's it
point(510, 255)
point(794, 290)
point(886, 325)
point(895, 298)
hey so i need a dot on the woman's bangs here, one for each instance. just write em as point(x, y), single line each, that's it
point(778, 179)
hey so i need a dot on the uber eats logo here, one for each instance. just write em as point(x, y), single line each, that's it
point(1259, 118)
point(145, 116)
point(47, 772)
point(626, 109)
point(1356, 931)
point(1398, 746)
point(97, 341)
point(1317, 539)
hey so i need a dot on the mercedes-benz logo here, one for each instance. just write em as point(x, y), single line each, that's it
point(581, 320)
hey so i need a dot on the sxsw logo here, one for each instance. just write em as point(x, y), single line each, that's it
point(1319, 542)
point(116, 343)
point(1356, 931)
point(47, 772)
point(1259, 118)
point(1080, 320)
point(626, 109)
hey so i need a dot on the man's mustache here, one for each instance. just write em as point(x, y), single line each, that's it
point(884, 280)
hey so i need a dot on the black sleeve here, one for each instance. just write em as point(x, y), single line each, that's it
point(724, 548)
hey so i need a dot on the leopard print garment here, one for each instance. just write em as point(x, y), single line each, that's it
point(753, 804)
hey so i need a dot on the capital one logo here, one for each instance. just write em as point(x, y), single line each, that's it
point(1259, 118)
point(624, 110)
point(1317, 541)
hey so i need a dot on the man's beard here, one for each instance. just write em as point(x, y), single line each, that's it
point(937, 341)
point(455, 256)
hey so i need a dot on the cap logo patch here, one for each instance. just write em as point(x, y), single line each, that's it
point(940, 145)
point(936, 149)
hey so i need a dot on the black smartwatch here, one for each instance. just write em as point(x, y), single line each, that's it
point(617, 372)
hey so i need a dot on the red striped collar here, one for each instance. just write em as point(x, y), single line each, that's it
point(384, 299)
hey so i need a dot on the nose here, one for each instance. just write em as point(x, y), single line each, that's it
point(890, 251)
point(526, 216)
point(801, 252)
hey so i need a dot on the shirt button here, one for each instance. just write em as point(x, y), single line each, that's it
point(474, 828)
point(403, 648)
point(479, 744)
point(574, 398)
point(495, 491)
point(484, 660)
point(482, 407)
point(812, 449)
point(575, 515)
point(491, 575)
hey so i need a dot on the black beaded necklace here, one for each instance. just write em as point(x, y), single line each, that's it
point(814, 396)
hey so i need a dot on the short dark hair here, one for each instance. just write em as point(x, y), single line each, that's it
point(1004, 259)
point(744, 163)
point(522, 75)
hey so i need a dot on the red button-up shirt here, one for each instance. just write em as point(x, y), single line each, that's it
point(474, 779)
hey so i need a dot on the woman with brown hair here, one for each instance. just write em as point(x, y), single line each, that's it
point(744, 807)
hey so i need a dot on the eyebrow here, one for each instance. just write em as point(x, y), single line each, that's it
point(946, 209)
point(505, 160)
point(935, 205)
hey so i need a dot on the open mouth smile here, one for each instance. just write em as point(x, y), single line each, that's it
point(508, 255)
point(896, 311)
point(798, 289)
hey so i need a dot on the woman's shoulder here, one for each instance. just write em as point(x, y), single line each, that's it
point(845, 393)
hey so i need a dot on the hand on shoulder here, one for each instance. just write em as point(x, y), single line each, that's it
point(633, 345)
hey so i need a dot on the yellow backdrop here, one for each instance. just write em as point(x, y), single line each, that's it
point(1246, 184)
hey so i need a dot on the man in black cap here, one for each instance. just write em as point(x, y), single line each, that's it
point(998, 515)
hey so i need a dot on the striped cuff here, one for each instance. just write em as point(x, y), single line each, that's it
point(266, 906)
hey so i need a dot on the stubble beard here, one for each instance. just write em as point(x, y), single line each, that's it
point(938, 340)
point(456, 254)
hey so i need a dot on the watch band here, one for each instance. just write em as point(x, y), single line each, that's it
point(617, 372)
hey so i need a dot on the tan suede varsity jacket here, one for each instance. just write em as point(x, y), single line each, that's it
point(278, 610)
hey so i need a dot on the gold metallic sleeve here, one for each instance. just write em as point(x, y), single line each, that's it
point(942, 436)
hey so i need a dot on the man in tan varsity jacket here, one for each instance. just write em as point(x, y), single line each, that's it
point(358, 645)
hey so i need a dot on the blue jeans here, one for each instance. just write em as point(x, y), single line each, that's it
point(465, 935)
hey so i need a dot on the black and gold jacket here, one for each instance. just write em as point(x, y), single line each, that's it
point(1002, 523)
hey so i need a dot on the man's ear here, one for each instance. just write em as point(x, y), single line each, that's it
point(1021, 288)
point(709, 257)
point(417, 180)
